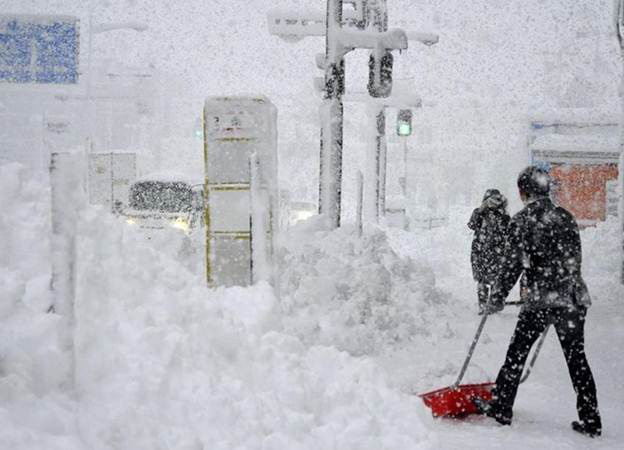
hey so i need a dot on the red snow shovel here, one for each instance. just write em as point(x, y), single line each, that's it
point(456, 400)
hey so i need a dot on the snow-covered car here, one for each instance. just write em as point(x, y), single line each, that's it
point(160, 201)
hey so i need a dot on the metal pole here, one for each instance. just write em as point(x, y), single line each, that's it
point(89, 48)
point(376, 14)
point(372, 166)
point(90, 112)
point(330, 178)
point(360, 197)
point(404, 184)
point(382, 159)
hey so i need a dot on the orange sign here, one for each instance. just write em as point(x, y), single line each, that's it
point(582, 189)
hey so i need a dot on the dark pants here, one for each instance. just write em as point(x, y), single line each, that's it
point(569, 323)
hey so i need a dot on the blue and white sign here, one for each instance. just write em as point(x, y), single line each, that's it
point(39, 49)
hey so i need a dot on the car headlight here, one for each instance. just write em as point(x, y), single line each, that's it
point(181, 224)
point(298, 215)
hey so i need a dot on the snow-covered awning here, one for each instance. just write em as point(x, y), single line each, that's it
point(583, 149)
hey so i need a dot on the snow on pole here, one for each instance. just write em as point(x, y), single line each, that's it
point(371, 194)
point(331, 160)
point(339, 40)
point(376, 13)
point(360, 194)
point(382, 154)
point(330, 177)
point(68, 197)
point(259, 227)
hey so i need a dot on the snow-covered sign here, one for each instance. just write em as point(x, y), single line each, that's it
point(39, 49)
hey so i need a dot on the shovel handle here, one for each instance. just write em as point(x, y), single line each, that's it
point(470, 351)
point(534, 357)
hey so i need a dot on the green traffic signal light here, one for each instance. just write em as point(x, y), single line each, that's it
point(405, 129)
point(404, 122)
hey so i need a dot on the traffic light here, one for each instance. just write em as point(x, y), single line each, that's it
point(380, 74)
point(335, 80)
point(404, 122)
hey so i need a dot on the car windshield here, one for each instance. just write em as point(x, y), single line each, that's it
point(161, 196)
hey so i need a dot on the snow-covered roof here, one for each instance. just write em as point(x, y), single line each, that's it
point(574, 115)
point(169, 176)
point(240, 98)
point(584, 143)
point(576, 149)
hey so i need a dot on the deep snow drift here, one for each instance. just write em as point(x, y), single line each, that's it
point(163, 362)
point(330, 361)
point(34, 411)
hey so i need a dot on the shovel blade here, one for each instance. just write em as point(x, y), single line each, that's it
point(457, 402)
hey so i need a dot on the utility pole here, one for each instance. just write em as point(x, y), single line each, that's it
point(343, 33)
point(376, 13)
point(332, 115)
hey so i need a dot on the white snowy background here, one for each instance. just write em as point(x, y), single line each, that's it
point(361, 324)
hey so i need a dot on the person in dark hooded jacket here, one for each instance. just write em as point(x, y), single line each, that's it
point(544, 247)
point(489, 222)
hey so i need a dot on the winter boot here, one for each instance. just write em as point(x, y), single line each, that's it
point(586, 429)
point(488, 409)
point(482, 405)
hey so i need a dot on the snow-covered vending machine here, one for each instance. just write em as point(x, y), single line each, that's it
point(240, 155)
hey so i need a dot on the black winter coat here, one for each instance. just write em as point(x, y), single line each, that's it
point(490, 227)
point(544, 246)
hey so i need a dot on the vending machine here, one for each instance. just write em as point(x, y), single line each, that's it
point(240, 154)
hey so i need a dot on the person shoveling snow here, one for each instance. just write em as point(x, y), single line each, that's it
point(544, 247)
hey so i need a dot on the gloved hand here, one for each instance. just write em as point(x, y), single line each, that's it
point(494, 304)
point(492, 308)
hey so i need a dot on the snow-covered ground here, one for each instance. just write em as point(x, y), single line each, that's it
point(332, 362)
point(546, 402)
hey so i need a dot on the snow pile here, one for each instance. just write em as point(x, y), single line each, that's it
point(355, 293)
point(602, 261)
point(24, 247)
point(163, 362)
point(444, 248)
point(33, 366)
